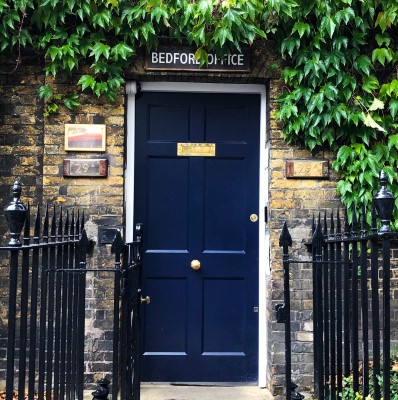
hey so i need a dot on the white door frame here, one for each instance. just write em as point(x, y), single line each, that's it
point(264, 245)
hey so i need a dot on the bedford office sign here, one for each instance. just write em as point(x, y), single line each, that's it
point(182, 58)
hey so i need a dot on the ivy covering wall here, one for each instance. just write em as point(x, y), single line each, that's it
point(341, 77)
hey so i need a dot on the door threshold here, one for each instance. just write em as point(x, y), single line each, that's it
point(204, 384)
point(210, 384)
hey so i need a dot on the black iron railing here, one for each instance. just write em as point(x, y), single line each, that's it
point(47, 303)
point(348, 262)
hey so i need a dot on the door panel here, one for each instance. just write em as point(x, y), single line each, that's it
point(166, 332)
point(201, 324)
point(224, 227)
point(218, 338)
point(172, 210)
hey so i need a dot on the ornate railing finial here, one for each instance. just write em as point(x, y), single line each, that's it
point(384, 201)
point(15, 214)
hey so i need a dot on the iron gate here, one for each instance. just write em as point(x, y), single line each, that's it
point(45, 343)
point(348, 263)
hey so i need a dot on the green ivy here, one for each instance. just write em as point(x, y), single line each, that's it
point(342, 88)
point(341, 56)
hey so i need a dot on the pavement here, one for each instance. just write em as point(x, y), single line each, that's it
point(203, 392)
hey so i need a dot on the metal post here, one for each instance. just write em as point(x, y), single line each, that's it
point(285, 241)
point(384, 202)
point(15, 213)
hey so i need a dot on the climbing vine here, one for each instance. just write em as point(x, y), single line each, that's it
point(342, 88)
point(341, 77)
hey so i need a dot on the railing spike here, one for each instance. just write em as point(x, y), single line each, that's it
point(363, 220)
point(285, 238)
point(45, 226)
point(374, 219)
point(77, 227)
point(313, 223)
point(354, 225)
point(117, 244)
point(66, 226)
point(72, 224)
point(318, 239)
point(332, 224)
point(26, 233)
point(53, 225)
point(60, 223)
point(83, 221)
point(325, 224)
point(84, 245)
point(338, 224)
point(346, 224)
point(36, 234)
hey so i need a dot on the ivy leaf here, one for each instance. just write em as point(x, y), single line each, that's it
point(87, 81)
point(290, 44)
point(376, 105)
point(370, 83)
point(100, 49)
point(393, 107)
point(383, 39)
point(45, 92)
point(121, 50)
point(364, 64)
point(329, 25)
point(71, 101)
point(369, 121)
point(392, 141)
point(301, 28)
point(382, 55)
point(112, 3)
point(344, 187)
point(201, 56)
point(221, 34)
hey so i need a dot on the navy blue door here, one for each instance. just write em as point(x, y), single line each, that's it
point(201, 325)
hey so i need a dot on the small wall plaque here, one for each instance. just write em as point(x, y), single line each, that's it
point(307, 169)
point(86, 167)
point(85, 137)
point(196, 149)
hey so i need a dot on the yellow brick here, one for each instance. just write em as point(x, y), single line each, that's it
point(280, 203)
point(277, 164)
point(277, 194)
point(282, 154)
point(51, 170)
point(294, 184)
point(275, 174)
point(28, 160)
point(114, 120)
point(23, 170)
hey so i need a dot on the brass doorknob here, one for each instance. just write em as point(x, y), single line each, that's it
point(195, 264)
point(253, 217)
point(146, 300)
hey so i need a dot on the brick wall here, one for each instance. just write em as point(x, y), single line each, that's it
point(294, 201)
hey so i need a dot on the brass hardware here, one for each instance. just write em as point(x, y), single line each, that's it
point(146, 300)
point(254, 218)
point(196, 149)
point(195, 264)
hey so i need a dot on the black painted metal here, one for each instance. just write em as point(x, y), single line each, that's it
point(47, 303)
point(343, 315)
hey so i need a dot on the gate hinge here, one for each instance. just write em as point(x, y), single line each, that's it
point(280, 313)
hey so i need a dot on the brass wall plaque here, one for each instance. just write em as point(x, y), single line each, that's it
point(307, 169)
point(196, 149)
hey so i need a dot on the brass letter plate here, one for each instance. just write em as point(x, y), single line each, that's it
point(196, 149)
point(307, 169)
